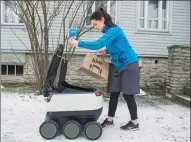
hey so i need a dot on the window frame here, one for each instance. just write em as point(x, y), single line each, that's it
point(108, 9)
point(3, 15)
point(159, 30)
point(15, 69)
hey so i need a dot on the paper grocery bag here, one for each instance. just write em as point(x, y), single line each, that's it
point(95, 66)
point(111, 70)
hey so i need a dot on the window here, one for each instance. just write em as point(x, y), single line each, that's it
point(8, 16)
point(16, 70)
point(153, 15)
point(3, 69)
point(109, 6)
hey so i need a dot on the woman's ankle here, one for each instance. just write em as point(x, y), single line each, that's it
point(134, 121)
point(109, 118)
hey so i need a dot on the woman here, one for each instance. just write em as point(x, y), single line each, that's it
point(125, 77)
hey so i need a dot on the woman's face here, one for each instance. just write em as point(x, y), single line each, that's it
point(98, 24)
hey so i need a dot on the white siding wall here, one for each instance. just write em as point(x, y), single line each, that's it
point(145, 44)
point(9, 37)
point(9, 41)
point(154, 44)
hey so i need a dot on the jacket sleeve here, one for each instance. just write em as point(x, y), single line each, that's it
point(103, 41)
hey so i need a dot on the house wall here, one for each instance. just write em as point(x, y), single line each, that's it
point(15, 37)
point(178, 75)
point(150, 46)
point(11, 37)
point(156, 43)
point(152, 72)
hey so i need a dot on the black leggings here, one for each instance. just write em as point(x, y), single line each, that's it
point(130, 103)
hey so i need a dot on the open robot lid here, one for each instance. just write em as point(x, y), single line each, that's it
point(63, 86)
point(52, 70)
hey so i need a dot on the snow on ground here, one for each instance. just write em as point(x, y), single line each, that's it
point(160, 120)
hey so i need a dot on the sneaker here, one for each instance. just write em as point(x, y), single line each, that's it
point(107, 123)
point(130, 126)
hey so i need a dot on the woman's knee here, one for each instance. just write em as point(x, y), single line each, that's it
point(129, 97)
point(114, 95)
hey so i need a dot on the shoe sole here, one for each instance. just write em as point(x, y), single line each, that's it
point(135, 129)
point(108, 126)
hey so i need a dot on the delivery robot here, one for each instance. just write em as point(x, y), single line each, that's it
point(71, 110)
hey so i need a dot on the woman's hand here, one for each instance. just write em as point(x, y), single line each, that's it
point(101, 52)
point(73, 43)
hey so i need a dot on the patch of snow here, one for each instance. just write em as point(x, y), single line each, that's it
point(2, 87)
point(22, 114)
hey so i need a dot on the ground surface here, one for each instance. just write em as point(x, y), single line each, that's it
point(160, 120)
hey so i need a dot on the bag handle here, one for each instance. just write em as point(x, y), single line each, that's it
point(102, 56)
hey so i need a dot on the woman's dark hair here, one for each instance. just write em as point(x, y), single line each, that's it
point(102, 13)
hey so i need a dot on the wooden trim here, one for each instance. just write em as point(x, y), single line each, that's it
point(2, 8)
point(169, 9)
point(167, 14)
point(108, 10)
point(15, 70)
point(116, 11)
point(138, 14)
point(3, 16)
point(160, 15)
point(146, 14)
point(93, 7)
point(7, 69)
point(108, 7)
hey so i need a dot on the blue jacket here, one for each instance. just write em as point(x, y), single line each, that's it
point(116, 45)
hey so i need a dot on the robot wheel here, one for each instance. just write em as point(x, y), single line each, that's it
point(49, 129)
point(93, 130)
point(71, 129)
